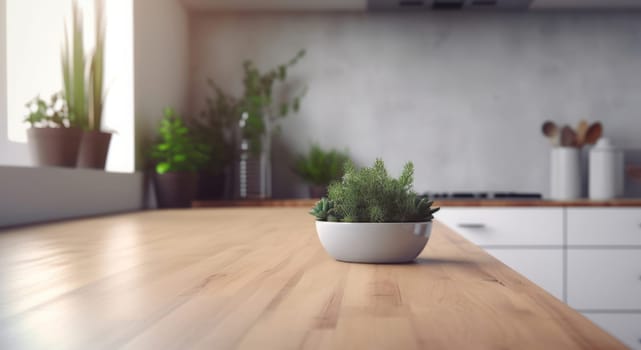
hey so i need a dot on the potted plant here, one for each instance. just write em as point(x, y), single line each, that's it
point(53, 140)
point(56, 132)
point(94, 146)
point(179, 156)
point(370, 217)
point(215, 128)
point(319, 168)
point(260, 107)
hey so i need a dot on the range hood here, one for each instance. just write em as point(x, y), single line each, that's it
point(407, 5)
point(428, 5)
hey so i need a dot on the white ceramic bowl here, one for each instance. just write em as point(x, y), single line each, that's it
point(374, 242)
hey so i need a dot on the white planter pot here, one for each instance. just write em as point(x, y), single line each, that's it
point(374, 242)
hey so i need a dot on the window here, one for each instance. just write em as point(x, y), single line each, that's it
point(34, 37)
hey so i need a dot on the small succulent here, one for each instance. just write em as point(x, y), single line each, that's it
point(323, 210)
point(371, 195)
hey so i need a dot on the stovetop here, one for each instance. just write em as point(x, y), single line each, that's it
point(482, 195)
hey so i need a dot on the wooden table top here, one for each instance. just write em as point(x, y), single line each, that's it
point(258, 278)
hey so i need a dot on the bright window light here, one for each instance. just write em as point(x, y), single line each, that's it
point(35, 33)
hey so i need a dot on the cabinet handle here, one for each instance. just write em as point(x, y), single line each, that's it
point(471, 225)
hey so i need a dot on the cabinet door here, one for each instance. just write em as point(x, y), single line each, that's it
point(604, 279)
point(625, 327)
point(604, 226)
point(506, 226)
point(544, 267)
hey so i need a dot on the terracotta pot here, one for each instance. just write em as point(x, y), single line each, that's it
point(54, 146)
point(176, 190)
point(317, 191)
point(94, 147)
point(210, 186)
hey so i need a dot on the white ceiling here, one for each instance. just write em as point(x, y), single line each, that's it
point(361, 5)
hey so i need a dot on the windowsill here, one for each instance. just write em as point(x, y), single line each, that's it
point(36, 194)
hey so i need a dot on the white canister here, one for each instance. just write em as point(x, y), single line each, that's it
point(605, 171)
point(565, 173)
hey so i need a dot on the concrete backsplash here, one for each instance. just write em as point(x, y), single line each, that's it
point(463, 95)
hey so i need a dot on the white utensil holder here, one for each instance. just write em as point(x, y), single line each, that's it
point(606, 171)
point(565, 173)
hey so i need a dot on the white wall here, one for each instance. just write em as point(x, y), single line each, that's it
point(463, 95)
point(11, 153)
point(161, 42)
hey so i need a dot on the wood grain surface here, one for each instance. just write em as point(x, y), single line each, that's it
point(258, 278)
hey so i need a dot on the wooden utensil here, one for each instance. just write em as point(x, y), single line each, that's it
point(581, 131)
point(551, 131)
point(568, 137)
point(593, 133)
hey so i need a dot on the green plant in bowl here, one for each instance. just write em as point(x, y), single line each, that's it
point(390, 222)
point(370, 194)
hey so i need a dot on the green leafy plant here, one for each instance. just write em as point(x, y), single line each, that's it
point(43, 114)
point(97, 71)
point(215, 128)
point(319, 167)
point(371, 195)
point(259, 102)
point(177, 149)
point(73, 71)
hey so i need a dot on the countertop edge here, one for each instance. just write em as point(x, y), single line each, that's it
point(631, 202)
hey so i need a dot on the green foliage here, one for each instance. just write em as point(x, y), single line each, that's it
point(319, 167)
point(214, 128)
point(51, 114)
point(97, 72)
point(371, 195)
point(177, 149)
point(73, 71)
point(259, 102)
point(323, 209)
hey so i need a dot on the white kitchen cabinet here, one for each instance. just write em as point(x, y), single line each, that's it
point(595, 253)
point(506, 226)
point(515, 236)
point(604, 226)
point(604, 269)
point(544, 267)
point(604, 279)
point(625, 327)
